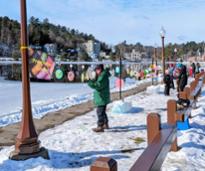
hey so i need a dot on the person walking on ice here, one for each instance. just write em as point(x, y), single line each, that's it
point(101, 96)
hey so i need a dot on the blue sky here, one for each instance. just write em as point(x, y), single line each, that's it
point(113, 21)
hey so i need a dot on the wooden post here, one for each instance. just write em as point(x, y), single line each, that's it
point(153, 126)
point(197, 77)
point(171, 119)
point(104, 164)
point(192, 86)
point(188, 92)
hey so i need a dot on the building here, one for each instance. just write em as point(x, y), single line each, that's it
point(133, 55)
point(51, 49)
point(104, 55)
point(92, 48)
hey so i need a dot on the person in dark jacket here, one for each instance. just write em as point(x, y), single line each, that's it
point(197, 68)
point(101, 96)
point(193, 68)
point(183, 78)
point(167, 82)
point(171, 73)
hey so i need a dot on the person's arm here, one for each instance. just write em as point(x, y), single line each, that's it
point(98, 85)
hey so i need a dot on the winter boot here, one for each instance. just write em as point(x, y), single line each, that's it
point(98, 129)
point(106, 126)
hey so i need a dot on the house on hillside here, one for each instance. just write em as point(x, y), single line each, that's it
point(92, 48)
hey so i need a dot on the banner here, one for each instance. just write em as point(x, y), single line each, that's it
point(41, 65)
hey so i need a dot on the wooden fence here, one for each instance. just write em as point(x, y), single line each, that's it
point(160, 141)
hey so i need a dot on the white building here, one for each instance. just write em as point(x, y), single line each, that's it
point(92, 48)
point(133, 55)
point(50, 49)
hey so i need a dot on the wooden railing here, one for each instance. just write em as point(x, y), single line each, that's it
point(160, 141)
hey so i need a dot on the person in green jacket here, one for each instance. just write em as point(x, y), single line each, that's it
point(101, 96)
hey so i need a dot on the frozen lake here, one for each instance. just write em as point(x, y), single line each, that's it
point(45, 94)
point(11, 93)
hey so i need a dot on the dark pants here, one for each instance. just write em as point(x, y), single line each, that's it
point(102, 116)
point(172, 83)
point(166, 90)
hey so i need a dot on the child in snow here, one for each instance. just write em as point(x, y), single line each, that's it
point(101, 96)
point(167, 82)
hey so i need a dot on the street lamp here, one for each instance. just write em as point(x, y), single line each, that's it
point(27, 144)
point(162, 34)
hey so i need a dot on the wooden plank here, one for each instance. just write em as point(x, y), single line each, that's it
point(154, 155)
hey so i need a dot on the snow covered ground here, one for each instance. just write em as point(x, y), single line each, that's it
point(46, 97)
point(73, 146)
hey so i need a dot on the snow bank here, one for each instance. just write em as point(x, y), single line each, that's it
point(41, 108)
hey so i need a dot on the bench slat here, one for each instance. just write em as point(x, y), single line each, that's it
point(154, 155)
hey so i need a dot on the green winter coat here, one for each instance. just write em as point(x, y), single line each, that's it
point(102, 88)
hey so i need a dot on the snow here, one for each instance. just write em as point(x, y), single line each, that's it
point(155, 90)
point(47, 97)
point(192, 155)
point(74, 146)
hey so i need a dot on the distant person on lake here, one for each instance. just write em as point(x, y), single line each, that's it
point(101, 96)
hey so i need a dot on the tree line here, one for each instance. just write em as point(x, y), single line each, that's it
point(40, 33)
point(43, 32)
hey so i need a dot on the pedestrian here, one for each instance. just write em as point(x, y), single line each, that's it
point(183, 78)
point(101, 96)
point(197, 68)
point(193, 69)
point(171, 73)
point(167, 82)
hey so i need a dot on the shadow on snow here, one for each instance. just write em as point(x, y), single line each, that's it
point(62, 160)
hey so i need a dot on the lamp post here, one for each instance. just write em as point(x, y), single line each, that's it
point(155, 53)
point(27, 144)
point(175, 54)
point(154, 58)
point(162, 34)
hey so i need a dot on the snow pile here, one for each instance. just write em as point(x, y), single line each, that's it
point(121, 107)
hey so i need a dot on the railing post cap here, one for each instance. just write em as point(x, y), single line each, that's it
point(104, 164)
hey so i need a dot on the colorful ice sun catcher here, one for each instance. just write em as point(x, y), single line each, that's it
point(59, 74)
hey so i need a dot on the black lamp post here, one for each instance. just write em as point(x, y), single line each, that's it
point(162, 34)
